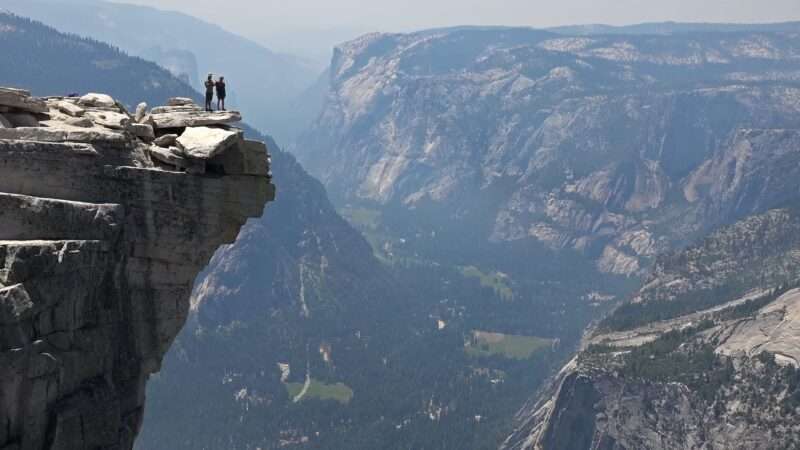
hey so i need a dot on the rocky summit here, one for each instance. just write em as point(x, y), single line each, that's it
point(106, 218)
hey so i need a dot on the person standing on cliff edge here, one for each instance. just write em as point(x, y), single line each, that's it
point(209, 92)
point(221, 94)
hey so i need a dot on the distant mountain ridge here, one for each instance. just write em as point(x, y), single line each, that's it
point(656, 28)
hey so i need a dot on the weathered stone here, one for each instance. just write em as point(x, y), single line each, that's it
point(117, 121)
point(99, 248)
point(194, 119)
point(64, 133)
point(171, 156)
point(172, 109)
point(21, 99)
point(180, 101)
point(4, 123)
point(98, 100)
point(167, 140)
point(70, 108)
point(82, 122)
point(244, 158)
point(22, 119)
point(205, 142)
point(142, 130)
point(141, 111)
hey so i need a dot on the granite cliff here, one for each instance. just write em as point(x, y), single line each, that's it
point(705, 355)
point(615, 146)
point(106, 219)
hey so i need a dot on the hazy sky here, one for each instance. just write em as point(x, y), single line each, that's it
point(277, 22)
point(390, 15)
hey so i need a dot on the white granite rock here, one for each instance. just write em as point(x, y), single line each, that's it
point(205, 142)
point(194, 119)
point(70, 109)
point(109, 119)
point(141, 112)
point(98, 100)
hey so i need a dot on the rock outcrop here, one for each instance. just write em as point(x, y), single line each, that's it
point(704, 356)
point(102, 233)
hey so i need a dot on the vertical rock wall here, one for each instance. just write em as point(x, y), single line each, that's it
point(105, 221)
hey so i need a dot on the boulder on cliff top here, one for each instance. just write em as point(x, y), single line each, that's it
point(22, 100)
point(205, 142)
point(185, 119)
point(97, 100)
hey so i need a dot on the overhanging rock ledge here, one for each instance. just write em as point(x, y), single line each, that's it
point(106, 218)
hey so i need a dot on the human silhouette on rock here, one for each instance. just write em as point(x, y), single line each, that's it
point(221, 93)
point(209, 92)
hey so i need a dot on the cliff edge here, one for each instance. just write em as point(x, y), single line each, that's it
point(106, 218)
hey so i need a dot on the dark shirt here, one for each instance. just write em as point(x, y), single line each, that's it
point(209, 87)
point(221, 89)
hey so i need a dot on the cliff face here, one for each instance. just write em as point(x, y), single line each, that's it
point(602, 144)
point(704, 356)
point(106, 218)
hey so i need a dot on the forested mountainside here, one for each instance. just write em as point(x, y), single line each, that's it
point(44, 61)
point(263, 84)
point(705, 355)
point(613, 146)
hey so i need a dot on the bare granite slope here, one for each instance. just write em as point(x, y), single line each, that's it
point(106, 217)
point(704, 356)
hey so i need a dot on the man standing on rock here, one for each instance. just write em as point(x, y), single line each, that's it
point(209, 92)
point(221, 94)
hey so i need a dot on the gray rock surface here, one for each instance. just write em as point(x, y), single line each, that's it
point(22, 119)
point(193, 118)
point(166, 140)
point(21, 100)
point(715, 388)
point(70, 108)
point(142, 130)
point(205, 142)
point(180, 101)
point(97, 261)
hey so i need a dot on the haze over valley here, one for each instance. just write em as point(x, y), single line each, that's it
point(499, 227)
